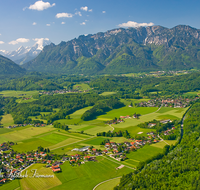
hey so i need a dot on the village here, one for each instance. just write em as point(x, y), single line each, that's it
point(169, 102)
point(64, 91)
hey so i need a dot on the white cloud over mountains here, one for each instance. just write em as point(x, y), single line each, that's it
point(64, 15)
point(40, 39)
point(40, 5)
point(1, 42)
point(135, 24)
point(19, 40)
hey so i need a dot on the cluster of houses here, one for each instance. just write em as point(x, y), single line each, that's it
point(169, 102)
point(14, 163)
point(63, 91)
point(24, 125)
point(169, 131)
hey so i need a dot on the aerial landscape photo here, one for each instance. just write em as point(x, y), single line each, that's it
point(99, 95)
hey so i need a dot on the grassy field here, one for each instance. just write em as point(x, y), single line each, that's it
point(109, 185)
point(4, 130)
point(127, 111)
point(48, 139)
point(192, 93)
point(81, 86)
point(107, 93)
point(13, 93)
point(88, 175)
point(7, 120)
point(128, 101)
point(23, 134)
point(12, 185)
point(142, 154)
point(33, 183)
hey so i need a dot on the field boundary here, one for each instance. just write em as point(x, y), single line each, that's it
point(105, 181)
point(72, 143)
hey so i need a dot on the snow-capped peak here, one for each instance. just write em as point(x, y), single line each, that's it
point(23, 52)
point(41, 42)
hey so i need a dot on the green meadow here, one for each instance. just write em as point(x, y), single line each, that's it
point(7, 120)
point(142, 154)
point(107, 93)
point(13, 93)
point(109, 185)
point(81, 86)
point(79, 177)
point(11, 185)
point(33, 183)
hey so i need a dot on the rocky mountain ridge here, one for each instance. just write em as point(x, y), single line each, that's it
point(123, 50)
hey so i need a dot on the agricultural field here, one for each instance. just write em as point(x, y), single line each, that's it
point(48, 139)
point(127, 111)
point(34, 183)
point(142, 154)
point(24, 133)
point(192, 93)
point(81, 86)
point(15, 184)
point(129, 101)
point(108, 185)
point(7, 120)
point(107, 93)
point(13, 93)
point(88, 175)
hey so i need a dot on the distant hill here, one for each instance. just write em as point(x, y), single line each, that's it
point(123, 51)
point(9, 67)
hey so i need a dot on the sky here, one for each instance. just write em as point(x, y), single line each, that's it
point(23, 22)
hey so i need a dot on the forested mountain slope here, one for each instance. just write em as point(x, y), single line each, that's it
point(9, 67)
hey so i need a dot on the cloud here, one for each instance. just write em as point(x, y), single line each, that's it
point(34, 23)
point(135, 24)
point(78, 13)
point(40, 6)
point(0, 34)
point(62, 22)
point(48, 24)
point(84, 8)
point(61, 15)
point(19, 40)
point(103, 11)
point(90, 10)
point(1, 42)
point(40, 39)
point(83, 23)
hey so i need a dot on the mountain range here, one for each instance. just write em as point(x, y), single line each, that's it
point(122, 50)
point(24, 54)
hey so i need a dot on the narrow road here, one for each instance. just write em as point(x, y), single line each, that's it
point(112, 128)
point(105, 181)
point(163, 140)
point(118, 162)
